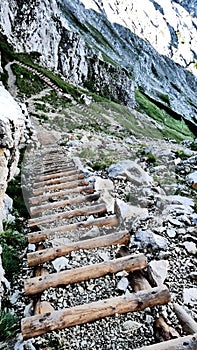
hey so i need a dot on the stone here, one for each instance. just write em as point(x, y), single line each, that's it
point(190, 296)
point(158, 270)
point(175, 222)
point(105, 187)
point(92, 233)
point(123, 284)
point(133, 172)
point(131, 326)
point(128, 211)
point(150, 239)
point(192, 178)
point(171, 233)
point(60, 264)
point(104, 256)
point(190, 247)
point(14, 297)
point(8, 205)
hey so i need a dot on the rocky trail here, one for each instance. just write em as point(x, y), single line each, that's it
point(111, 259)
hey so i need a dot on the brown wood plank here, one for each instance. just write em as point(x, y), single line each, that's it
point(128, 263)
point(76, 200)
point(84, 211)
point(67, 184)
point(76, 176)
point(39, 257)
point(188, 342)
point(37, 325)
point(45, 197)
point(39, 236)
point(56, 175)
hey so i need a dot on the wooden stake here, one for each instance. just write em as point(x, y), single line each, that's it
point(187, 322)
point(36, 258)
point(128, 263)
point(183, 343)
point(37, 325)
point(39, 236)
point(76, 200)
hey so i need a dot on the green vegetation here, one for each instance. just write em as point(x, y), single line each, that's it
point(8, 325)
point(181, 154)
point(172, 128)
point(28, 83)
point(193, 146)
point(13, 243)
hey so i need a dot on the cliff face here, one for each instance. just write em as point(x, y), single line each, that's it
point(11, 131)
point(112, 46)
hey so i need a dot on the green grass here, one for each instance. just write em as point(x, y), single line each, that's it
point(29, 84)
point(172, 128)
point(8, 325)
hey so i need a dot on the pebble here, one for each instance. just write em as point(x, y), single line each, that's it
point(131, 326)
point(171, 233)
point(123, 284)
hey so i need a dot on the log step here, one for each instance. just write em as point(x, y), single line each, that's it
point(76, 176)
point(39, 236)
point(48, 196)
point(128, 263)
point(41, 324)
point(188, 342)
point(85, 211)
point(60, 186)
point(76, 200)
point(56, 175)
point(44, 255)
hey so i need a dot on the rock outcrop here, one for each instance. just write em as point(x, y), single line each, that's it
point(11, 133)
point(111, 47)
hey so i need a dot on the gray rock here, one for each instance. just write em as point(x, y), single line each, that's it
point(133, 172)
point(131, 326)
point(192, 178)
point(171, 233)
point(123, 284)
point(60, 263)
point(128, 211)
point(190, 295)
point(92, 233)
point(158, 270)
point(190, 247)
point(150, 239)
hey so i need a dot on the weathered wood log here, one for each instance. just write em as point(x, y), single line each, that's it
point(60, 186)
point(37, 325)
point(78, 176)
point(128, 263)
point(76, 200)
point(56, 175)
point(45, 197)
point(85, 211)
point(36, 258)
point(39, 236)
point(187, 322)
point(162, 331)
point(56, 169)
point(138, 281)
point(183, 343)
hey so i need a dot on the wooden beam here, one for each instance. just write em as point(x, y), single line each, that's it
point(39, 257)
point(63, 193)
point(37, 325)
point(128, 263)
point(56, 169)
point(58, 180)
point(75, 200)
point(39, 236)
point(188, 342)
point(187, 322)
point(84, 211)
point(60, 186)
point(56, 175)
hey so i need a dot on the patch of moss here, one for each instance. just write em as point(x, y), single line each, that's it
point(8, 324)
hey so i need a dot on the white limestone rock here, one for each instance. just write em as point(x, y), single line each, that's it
point(128, 211)
point(133, 172)
point(158, 270)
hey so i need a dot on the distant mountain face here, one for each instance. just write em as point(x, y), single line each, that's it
point(114, 46)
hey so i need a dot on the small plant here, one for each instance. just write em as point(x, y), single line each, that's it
point(151, 159)
point(181, 154)
point(8, 324)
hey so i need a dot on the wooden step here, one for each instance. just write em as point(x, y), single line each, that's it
point(57, 175)
point(85, 211)
point(58, 180)
point(39, 257)
point(76, 200)
point(67, 184)
point(188, 342)
point(128, 263)
point(49, 196)
point(41, 324)
point(39, 236)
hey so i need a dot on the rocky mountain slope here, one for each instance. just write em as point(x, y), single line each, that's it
point(114, 47)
